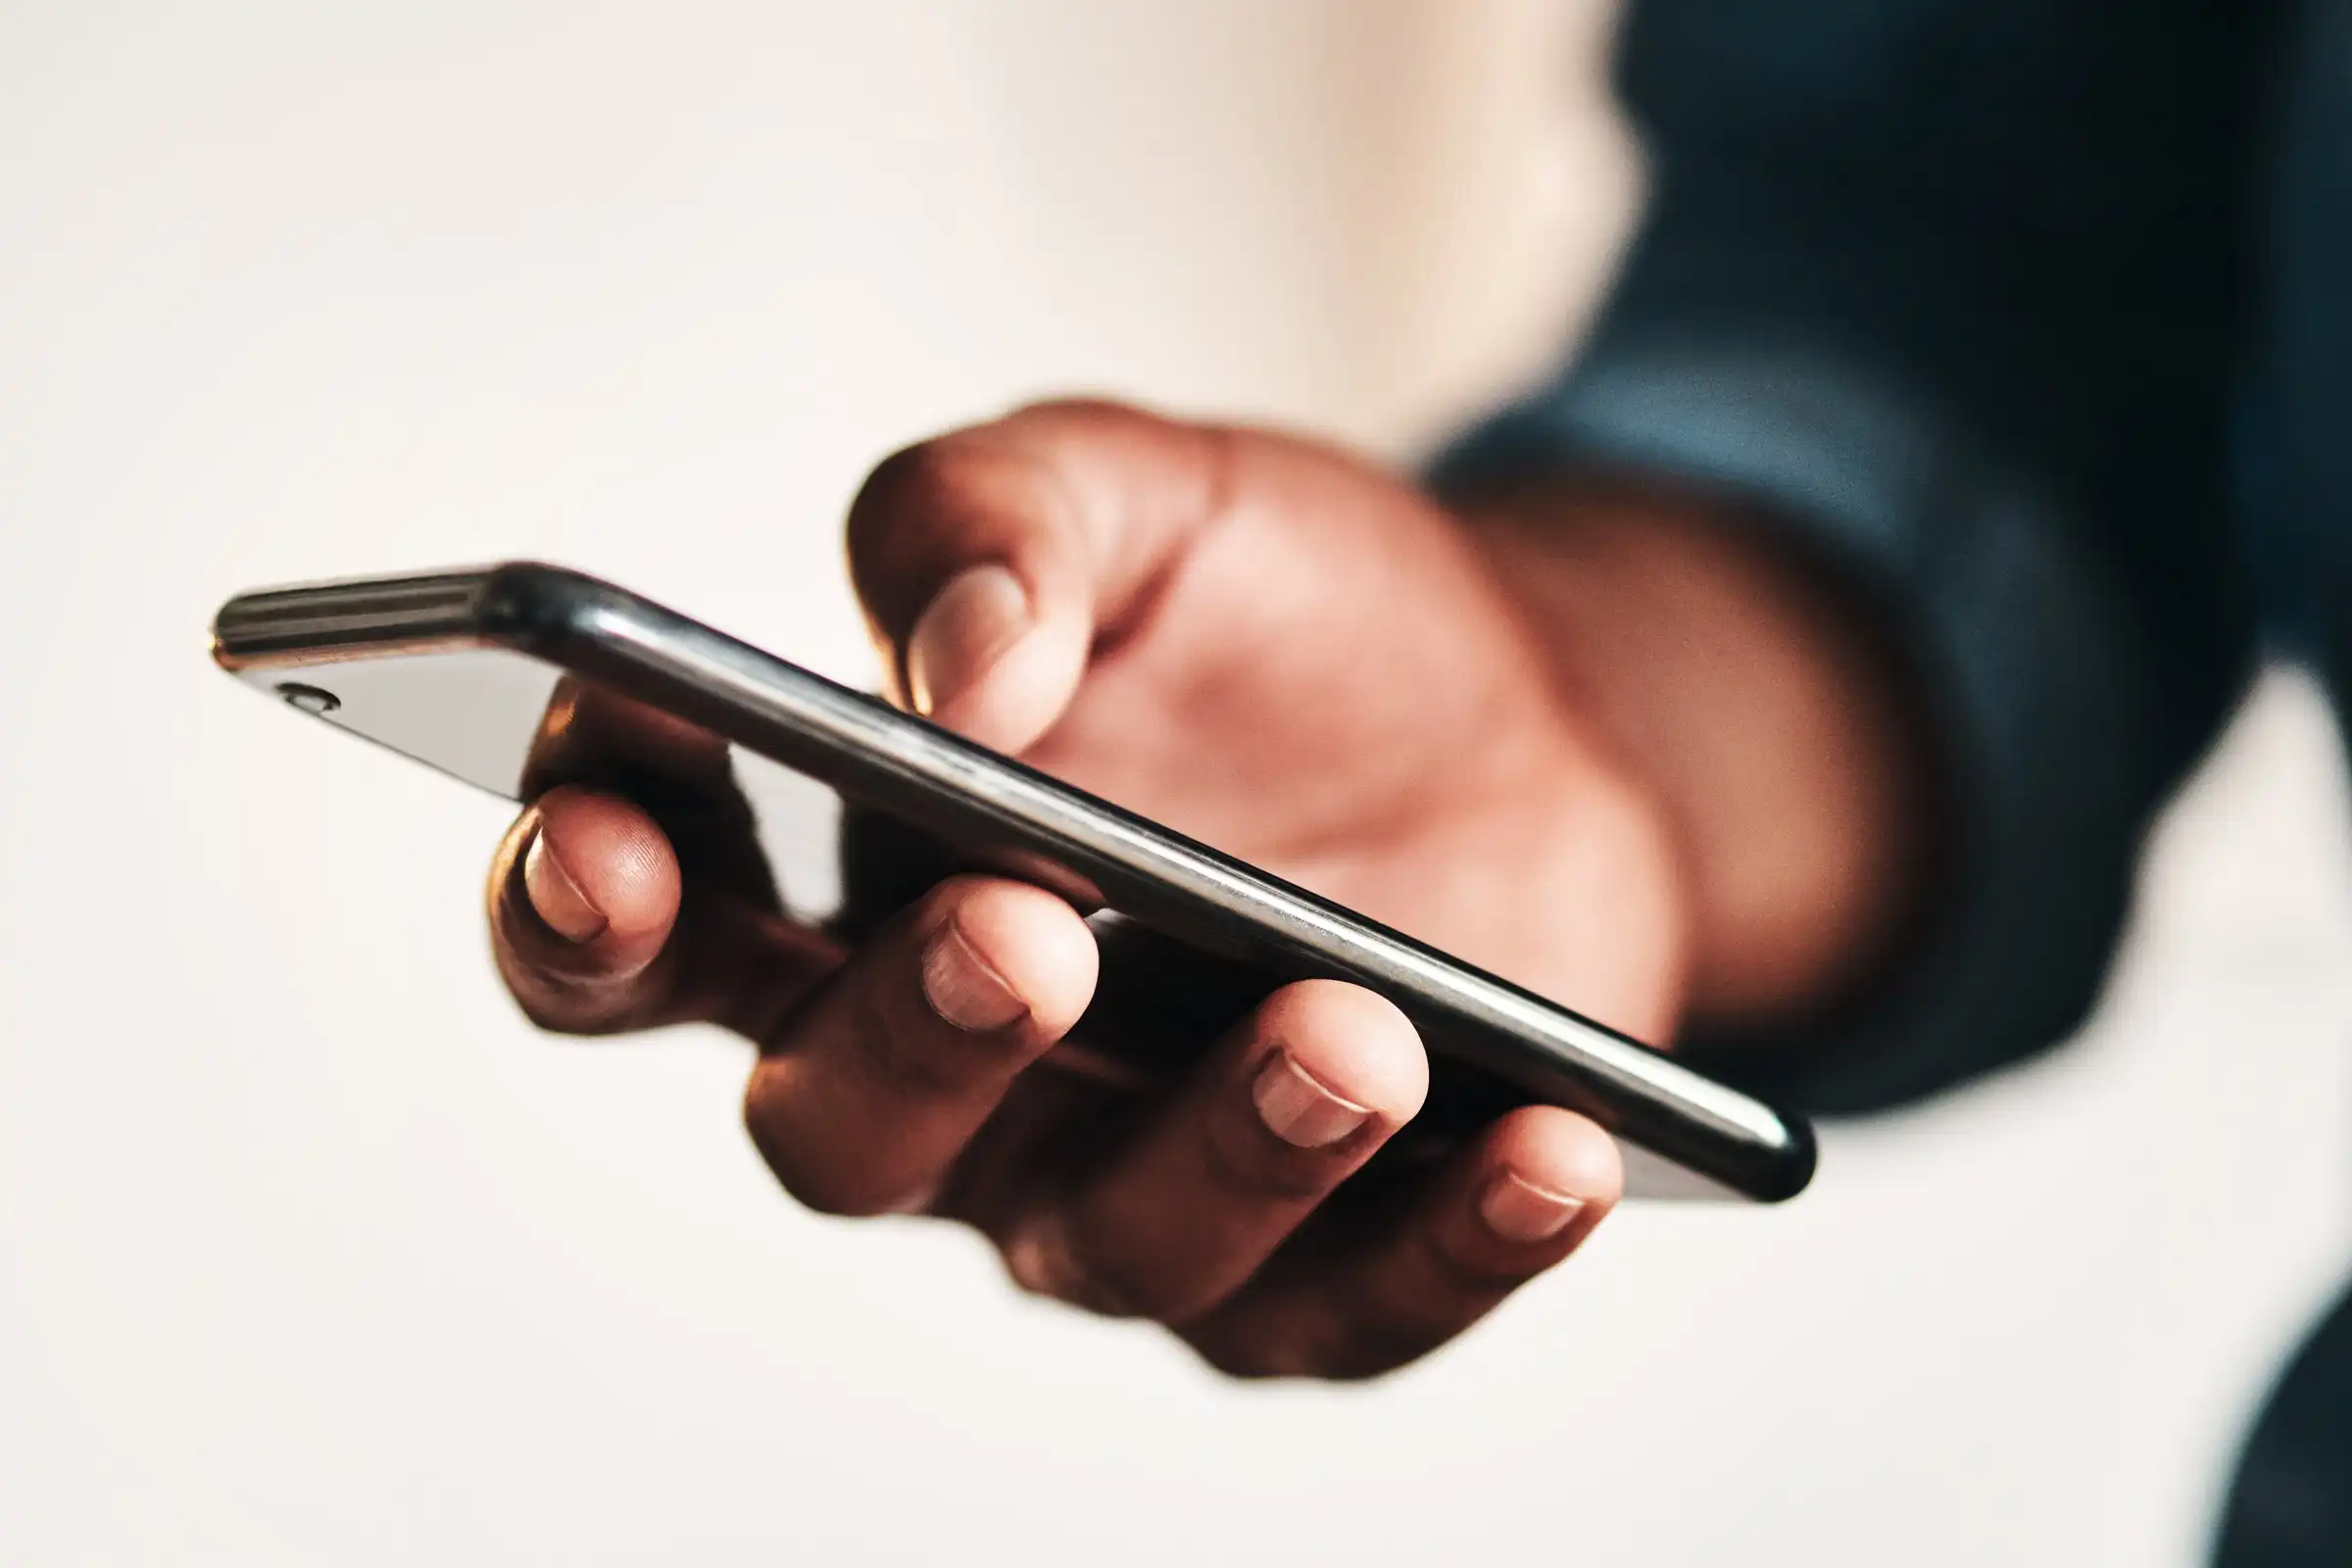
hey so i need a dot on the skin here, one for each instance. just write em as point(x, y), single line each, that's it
point(1586, 737)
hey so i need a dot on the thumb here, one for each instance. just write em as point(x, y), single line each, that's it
point(993, 559)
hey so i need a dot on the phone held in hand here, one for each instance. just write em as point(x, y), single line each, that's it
point(840, 809)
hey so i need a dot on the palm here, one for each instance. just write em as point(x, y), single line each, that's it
point(1286, 654)
point(1328, 681)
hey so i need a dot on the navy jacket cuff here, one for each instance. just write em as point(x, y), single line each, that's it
point(2046, 700)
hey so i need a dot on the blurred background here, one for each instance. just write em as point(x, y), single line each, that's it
point(311, 1250)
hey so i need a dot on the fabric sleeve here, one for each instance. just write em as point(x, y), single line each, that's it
point(1949, 289)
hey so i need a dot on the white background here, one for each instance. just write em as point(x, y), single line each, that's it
point(311, 1251)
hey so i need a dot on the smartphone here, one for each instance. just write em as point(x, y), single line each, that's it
point(836, 809)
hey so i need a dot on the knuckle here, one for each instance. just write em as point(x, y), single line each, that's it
point(557, 1004)
point(1465, 1274)
point(914, 490)
point(823, 1186)
point(1406, 1314)
point(1080, 409)
point(1043, 1259)
point(1116, 1271)
point(588, 992)
point(903, 483)
point(830, 1197)
point(1114, 1287)
point(547, 1016)
point(1143, 1294)
point(1248, 1357)
point(1303, 1345)
point(1080, 1264)
point(1380, 1345)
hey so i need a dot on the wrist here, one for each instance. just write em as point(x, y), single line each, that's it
point(1748, 693)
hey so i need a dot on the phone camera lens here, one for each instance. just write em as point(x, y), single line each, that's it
point(309, 698)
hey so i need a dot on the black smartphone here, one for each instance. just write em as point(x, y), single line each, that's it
point(841, 808)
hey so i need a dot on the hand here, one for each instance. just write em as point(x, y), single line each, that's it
point(1279, 651)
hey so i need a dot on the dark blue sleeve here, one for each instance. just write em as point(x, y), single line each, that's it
point(1949, 290)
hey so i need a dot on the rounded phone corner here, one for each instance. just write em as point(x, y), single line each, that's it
point(535, 605)
point(221, 657)
point(1794, 1166)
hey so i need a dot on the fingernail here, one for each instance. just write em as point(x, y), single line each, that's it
point(964, 988)
point(1518, 1210)
point(556, 896)
point(977, 616)
point(1299, 1110)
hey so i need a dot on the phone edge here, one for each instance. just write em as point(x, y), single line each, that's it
point(572, 618)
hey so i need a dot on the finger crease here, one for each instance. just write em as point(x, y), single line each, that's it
point(1260, 1176)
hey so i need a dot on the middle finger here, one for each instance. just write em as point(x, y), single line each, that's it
point(1287, 1107)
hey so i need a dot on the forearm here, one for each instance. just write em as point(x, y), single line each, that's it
point(1748, 691)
